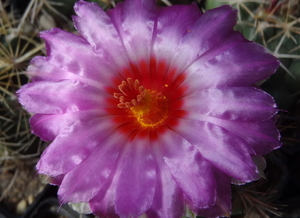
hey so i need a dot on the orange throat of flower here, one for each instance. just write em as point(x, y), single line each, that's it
point(147, 99)
point(149, 108)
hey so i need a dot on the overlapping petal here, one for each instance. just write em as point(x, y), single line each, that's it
point(172, 24)
point(74, 151)
point(92, 69)
point(129, 192)
point(47, 127)
point(134, 21)
point(262, 136)
point(216, 68)
point(97, 28)
point(197, 183)
point(103, 204)
point(204, 35)
point(219, 68)
point(136, 185)
point(224, 150)
point(222, 207)
point(231, 104)
point(58, 97)
point(84, 181)
point(168, 201)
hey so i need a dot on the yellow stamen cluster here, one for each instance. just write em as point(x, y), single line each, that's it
point(148, 107)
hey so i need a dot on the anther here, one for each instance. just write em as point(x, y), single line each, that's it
point(131, 92)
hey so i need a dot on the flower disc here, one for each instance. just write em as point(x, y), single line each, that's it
point(148, 100)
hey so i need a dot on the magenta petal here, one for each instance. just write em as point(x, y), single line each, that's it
point(48, 126)
point(49, 131)
point(86, 179)
point(192, 173)
point(173, 23)
point(242, 63)
point(233, 154)
point(136, 186)
point(205, 34)
point(48, 97)
point(134, 21)
point(231, 103)
point(262, 136)
point(58, 66)
point(168, 200)
point(103, 204)
point(72, 152)
point(222, 206)
point(97, 28)
point(133, 181)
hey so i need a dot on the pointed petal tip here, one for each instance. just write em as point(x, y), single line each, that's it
point(225, 9)
point(82, 7)
point(46, 33)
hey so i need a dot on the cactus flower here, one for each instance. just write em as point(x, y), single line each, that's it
point(151, 110)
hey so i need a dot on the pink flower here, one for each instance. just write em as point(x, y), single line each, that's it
point(151, 109)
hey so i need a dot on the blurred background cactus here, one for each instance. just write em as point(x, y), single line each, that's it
point(19, 149)
point(18, 44)
point(272, 23)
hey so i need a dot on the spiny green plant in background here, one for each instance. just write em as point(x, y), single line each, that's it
point(19, 149)
point(255, 200)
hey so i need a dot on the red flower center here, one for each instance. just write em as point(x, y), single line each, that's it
point(147, 99)
point(148, 107)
